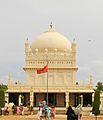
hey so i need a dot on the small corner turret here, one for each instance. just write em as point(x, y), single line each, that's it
point(26, 45)
point(91, 80)
point(10, 82)
point(27, 48)
point(73, 45)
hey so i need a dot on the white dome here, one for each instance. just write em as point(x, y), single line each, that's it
point(51, 40)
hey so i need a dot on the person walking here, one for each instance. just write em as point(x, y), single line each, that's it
point(40, 113)
point(71, 114)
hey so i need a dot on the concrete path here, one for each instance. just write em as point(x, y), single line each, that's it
point(34, 117)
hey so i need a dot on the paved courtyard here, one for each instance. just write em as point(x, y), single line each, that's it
point(34, 117)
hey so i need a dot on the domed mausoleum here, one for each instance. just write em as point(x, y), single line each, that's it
point(51, 40)
point(59, 85)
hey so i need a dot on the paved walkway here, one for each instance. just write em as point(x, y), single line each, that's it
point(34, 117)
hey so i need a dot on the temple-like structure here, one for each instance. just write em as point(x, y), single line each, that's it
point(63, 88)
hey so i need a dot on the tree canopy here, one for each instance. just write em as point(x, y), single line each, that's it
point(96, 104)
point(4, 87)
point(99, 87)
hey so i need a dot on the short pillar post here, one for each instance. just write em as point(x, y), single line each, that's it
point(81, 99)
point(7, 97)
point(67, 99)
point(31, 97)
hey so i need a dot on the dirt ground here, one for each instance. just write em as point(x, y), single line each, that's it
point(34, 117)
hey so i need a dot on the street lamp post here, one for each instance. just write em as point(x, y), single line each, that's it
point(46, 50)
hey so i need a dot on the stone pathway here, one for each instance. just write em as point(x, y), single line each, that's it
point(34, 117)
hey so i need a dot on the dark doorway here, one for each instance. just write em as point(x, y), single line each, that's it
point(52, 99)
point(13, 97)
point(56, 99)
point(87, 99)
point(75, 99)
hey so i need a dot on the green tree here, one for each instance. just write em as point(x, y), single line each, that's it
point(2, 98)
point(96, 103)
point(99, 87)
point(3, 88)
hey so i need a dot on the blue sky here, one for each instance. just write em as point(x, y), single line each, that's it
point(79, 19)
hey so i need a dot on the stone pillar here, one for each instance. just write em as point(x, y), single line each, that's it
point(31, 97)
point(81, 99)
point(92, 97)
point(67, 98)
point(20, 101)
point(101, 103)
point(7, 97)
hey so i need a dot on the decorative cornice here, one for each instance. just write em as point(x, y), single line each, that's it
point(33, 68)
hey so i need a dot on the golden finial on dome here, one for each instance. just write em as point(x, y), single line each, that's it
point(74, 39)
point(26, 42)
point(51, 28)
point(91, 79)
point(51, 25)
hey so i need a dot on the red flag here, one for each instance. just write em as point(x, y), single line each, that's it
point(42, 70)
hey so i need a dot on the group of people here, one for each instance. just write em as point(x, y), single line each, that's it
point(46, 111)
point(7, 109)
point(74, 114)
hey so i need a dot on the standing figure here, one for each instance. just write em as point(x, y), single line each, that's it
point(53, 112)
point(6, 108)
point(22, 109)
point(45, 110)
point(10, 108)
point(49, 113)
point(80, 111)
point(76, 112)
point(71, 114)
point(40, 113)
point(18, 110)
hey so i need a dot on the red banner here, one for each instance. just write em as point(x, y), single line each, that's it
point(42, 70)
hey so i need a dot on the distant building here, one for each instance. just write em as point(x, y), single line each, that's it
point(63, 88)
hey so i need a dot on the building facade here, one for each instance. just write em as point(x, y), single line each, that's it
point(58, 86)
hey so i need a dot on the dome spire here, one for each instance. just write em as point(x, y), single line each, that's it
point(51, 25)
point(51, 28)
